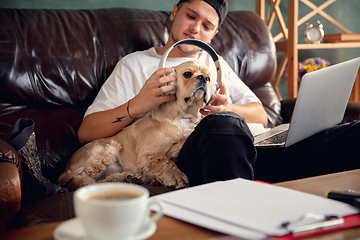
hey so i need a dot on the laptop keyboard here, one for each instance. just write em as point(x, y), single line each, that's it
point(276, 139)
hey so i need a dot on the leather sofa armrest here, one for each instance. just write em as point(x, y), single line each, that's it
point(9, 154)
point(10, 184)
point(352, 111)
point(10, 193)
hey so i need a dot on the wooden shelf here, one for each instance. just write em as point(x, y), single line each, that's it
point(342, 37)
point(282, 46)
point(289, 33)
point(329, 45)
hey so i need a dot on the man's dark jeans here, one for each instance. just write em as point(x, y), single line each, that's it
point(333, 150)
point(220, 148)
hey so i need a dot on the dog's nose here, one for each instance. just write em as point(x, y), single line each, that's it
point(203, 78)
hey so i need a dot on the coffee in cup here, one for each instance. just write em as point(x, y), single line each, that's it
point(110, 211)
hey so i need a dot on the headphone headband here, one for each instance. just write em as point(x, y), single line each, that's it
point(203, 46)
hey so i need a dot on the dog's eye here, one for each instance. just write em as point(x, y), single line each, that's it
point(187, 74)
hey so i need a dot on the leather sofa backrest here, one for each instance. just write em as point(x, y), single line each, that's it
point(51, 57)
point(62, 57)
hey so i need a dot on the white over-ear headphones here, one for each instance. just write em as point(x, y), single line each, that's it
point(203, 46)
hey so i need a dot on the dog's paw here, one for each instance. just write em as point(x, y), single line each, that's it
point(67, 176)
point(176, 181)
point(153, 182)
point(133, 179)
point(164, 171)
point(80, 181)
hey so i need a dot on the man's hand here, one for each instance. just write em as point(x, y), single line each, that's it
point(252, 112)
point(152, 93)
point(220, 102)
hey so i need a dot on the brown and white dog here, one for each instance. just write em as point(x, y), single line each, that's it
point(147, 149)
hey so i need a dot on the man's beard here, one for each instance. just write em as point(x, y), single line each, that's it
point(192, 52)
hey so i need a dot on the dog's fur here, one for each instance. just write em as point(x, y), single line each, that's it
point(147, 149)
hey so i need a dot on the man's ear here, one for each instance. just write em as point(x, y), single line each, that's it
point(173, 12)
point(170, 18)
point(216, 32)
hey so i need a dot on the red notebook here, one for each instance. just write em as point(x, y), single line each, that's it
point(349, 222)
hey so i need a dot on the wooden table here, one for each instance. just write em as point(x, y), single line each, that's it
point(173, 229)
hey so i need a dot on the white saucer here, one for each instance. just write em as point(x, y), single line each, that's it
point(73, 230)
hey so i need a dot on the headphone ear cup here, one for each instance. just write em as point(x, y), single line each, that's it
point(173, 82)
point(170, 83)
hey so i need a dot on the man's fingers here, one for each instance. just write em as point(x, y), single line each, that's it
point(166, 88)
point(162, 72)
point(222, 89)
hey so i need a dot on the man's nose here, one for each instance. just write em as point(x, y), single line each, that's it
point(196, 27)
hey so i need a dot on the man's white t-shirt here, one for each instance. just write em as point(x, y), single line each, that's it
point(131, 72)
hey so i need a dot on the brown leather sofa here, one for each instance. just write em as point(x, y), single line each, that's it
point(53, 63)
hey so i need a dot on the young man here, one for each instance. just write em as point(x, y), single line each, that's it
point(221, 147)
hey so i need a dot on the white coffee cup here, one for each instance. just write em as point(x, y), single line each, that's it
point(114, 210)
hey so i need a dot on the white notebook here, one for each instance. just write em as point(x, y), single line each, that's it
point(245, 208)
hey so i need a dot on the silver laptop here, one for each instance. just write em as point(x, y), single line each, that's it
point(321, 103)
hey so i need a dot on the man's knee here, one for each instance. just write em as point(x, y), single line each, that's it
point(225, 123)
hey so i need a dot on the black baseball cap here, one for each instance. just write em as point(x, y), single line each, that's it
point(221, 7)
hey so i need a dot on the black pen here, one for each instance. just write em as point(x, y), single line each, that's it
point(346, 197)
